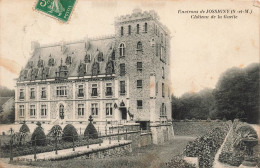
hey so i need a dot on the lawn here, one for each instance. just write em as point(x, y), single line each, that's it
point(151, 156)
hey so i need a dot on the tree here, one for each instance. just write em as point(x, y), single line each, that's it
point(237, 94)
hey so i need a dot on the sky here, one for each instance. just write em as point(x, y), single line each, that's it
point(201, 49)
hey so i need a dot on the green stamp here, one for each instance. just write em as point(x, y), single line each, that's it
point(60, 9)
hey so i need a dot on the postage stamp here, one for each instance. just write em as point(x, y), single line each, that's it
point(60, 9)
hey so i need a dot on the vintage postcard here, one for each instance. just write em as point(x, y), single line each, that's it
point(120, 83)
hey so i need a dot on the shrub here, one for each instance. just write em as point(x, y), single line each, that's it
point(24, 128)
point(91, 131)
point(177, 161)
point(40, 137)
point(56, 130)
point(69, 132)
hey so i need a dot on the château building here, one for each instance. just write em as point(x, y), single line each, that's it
point(120, 78)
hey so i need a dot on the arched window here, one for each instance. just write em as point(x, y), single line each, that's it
point(129, 29)
point(95, 69)
point(87, 58)
point(137, 29)
point(122, 50)
point(113, 55)
point(100, 56)
point(40, 63)
point(139, 46)
point(68, 60)
point(145, 27)
point(81, 69)
point(51, 61)
point(61, 110)
point(110, 68)
point(122, 30)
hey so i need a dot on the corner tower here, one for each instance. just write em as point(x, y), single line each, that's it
point(143, 67)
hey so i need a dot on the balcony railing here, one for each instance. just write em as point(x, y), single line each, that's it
point(21, 97)
point(32, 97)
point(122, 92)
point(94, 94)
point(43, 96)
point(80, 95)
point(109, 93)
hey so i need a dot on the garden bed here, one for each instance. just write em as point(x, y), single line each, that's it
point(194, 128)
point(205, 147)
point(28, 148)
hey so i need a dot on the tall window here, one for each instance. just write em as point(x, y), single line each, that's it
point(108, 89)
point(139, 66)
point(43, 110)
point(145, 27)
point(129, 29)
point(156, 88)
point(122, 50)
point(139, 104)
point(61, 91)
point(161, 52)
point(43, 92)
point(122, 69)
point(163, 110)
point(80, 109)
point(61, 110)
point(32, 93)
point(161, 37)
point(137, 29)
point(80, 91)
point(162, 72)
point(94, 109)
point(21, 96)
point(157, 49)
point(122, 88)
point(139, 46)
point(94, 90)
point(32, 110)
point(109, 109)
point(163, 94)
point(21, 110)
point(139, 83)
point(122, 30)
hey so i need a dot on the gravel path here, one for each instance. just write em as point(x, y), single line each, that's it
point(216, 163)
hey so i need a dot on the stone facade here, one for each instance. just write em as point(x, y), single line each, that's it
point(130, 71)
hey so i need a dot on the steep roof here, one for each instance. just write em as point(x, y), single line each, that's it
point(76, 51)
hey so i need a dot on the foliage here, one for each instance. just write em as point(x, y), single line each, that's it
point(178, 161)
point(8, 116)
point(5, 92)
point(38, 137)
point(205, 147)
point(28, 148)
point(91, 131)
point(55, 131)
point(234, 98)
point(24, 128)
point(193, 105)
point(69, 133)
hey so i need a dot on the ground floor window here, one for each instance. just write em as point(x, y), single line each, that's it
point(21, 110)
point(43, 110)
point(109, 109)
point(81, 109)
point(94, 109)
point(32, 110)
